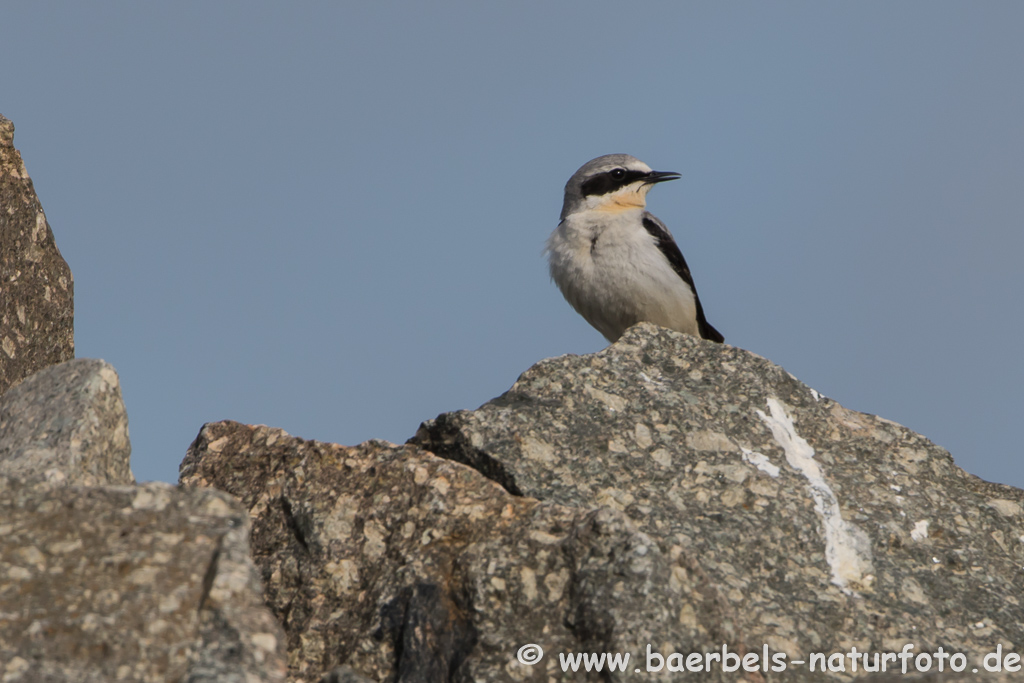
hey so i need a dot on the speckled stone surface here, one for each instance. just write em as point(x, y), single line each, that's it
point(36, 289)
point(781, 517)
point(130, 583)
point(666, 492)
point(68, 424)
point(394, 561)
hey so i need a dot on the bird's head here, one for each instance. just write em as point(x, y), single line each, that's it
point(614, 183)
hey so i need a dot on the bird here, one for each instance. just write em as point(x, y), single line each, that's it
point(614, 261)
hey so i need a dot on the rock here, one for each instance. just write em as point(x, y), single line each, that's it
point(780, 517)
point(666, 495)
point(409, 567)
point(345, 674)
point(36, 288)
point(68, 424)
point(146, 583)
point(102, 583)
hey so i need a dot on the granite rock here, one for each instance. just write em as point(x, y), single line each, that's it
point(133, 583)
point(100, 582)
point(782, 519)
point(404, 566)
point(666, 495)
point(390, 560)
point(66, 423)
point(36, 288)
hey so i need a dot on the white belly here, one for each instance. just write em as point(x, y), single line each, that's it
point(611, 271)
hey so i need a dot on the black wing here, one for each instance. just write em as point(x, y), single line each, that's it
point(670, 249)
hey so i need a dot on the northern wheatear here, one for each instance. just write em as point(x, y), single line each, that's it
point(617, 264)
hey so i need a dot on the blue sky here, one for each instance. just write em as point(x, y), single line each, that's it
point(330, 217)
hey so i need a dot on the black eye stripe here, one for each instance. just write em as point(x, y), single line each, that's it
point(603, 183)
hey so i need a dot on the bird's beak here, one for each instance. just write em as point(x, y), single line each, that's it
point(661, 176)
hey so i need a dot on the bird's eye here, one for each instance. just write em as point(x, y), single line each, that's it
point(617, 173)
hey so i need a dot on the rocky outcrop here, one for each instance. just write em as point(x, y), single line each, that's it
point(661, 498)
point(36, 289)
point(808, 527)
point(68, 423)
point(388, 558)
point(101, 582)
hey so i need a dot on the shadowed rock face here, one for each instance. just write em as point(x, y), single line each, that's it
point(36, 289)
point(665, 492)
point(386, 557)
